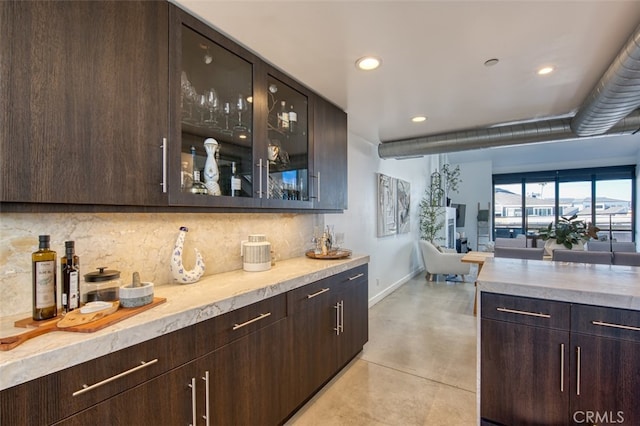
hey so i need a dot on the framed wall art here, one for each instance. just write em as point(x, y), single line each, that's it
point(387, 205)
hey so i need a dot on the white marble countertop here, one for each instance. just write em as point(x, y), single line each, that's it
point(603, 285)
point(186, 305)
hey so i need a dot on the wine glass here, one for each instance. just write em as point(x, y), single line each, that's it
point(213, 103)
point(226, 110)
point(240, 106)
point(203, 107)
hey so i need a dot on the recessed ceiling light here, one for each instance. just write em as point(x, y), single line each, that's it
point(368, 63)
point(545, 70)
point(491, 62)
point(418, 118)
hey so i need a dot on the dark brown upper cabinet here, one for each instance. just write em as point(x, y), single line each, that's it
point(141, 104)
point(239, 128)
point(83, 102)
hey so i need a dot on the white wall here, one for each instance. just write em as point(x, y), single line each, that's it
point(475, 188)
point(394, 259)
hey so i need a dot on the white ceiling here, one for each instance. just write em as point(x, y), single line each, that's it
point(433, 55)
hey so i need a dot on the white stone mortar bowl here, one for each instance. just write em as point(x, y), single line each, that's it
point(132, 297)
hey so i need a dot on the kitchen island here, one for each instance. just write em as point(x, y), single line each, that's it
point(558, 343)
point(271, 327)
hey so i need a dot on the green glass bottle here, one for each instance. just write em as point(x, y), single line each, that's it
point(44, 281)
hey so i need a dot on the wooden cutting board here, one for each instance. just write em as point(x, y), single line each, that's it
point(100, 322)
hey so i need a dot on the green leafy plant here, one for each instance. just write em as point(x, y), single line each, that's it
point(451, 177)
point(431, 216)
point(569, 231)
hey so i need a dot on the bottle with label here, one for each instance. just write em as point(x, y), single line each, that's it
point(283, 117)
point(44, 269)
point(236, 185)
point(70, 272)
point(198, 187)
point(293, 120)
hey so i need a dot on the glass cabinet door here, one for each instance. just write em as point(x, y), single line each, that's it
point(216, 119)
point(288, 142)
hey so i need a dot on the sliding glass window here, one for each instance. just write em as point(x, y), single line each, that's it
point(526, 202)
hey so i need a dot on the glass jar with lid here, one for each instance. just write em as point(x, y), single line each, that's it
point(101, 285)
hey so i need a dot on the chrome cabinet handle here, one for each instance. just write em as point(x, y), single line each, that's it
point(206, 403)
point(337, 328)
point(356, 277)
point(532, 314)
point(164, 165)
point(194, 417)
point(608, 324)
point(258, 318)
point(87, 388)
point(578, 370)
point(318, 293)
point(318, 187)
point(341, 316)
point(260, 175)
point(561, 367)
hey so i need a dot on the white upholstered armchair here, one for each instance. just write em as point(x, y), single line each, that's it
point(437, 262)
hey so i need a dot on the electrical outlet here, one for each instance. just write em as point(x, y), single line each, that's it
point(377, 282)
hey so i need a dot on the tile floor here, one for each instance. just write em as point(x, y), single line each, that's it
point(418, 368)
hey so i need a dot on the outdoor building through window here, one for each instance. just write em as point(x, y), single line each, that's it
point(526, 202)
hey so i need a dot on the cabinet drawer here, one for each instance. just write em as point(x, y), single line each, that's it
point(525, 310)
point(50, 398)
point(218, 331)
point(300, 298)
point(606, 322)
point(353, 276)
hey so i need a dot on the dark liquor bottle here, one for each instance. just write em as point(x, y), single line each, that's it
point(293, 120)
point(43, 274)
point(236, 185)
point(283, 117)
point(70, 271)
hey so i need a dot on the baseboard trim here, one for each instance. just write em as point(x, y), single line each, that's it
point(393, 287)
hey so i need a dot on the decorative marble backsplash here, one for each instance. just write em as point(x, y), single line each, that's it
point(140, 242)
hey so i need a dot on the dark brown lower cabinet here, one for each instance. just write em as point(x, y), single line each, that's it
point(329, 326)
point(238, 384)
point(540, 368)
point(525, 376)
point(252, 366)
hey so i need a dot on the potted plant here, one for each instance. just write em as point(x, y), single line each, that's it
point(567, 232)
point(451, 177)
point(431, 217)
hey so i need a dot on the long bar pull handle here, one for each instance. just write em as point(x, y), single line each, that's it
point(342, 316)
point(206, 417)
point(87, 388)
point(531, 314)
point(246, 323)
point(337, 308)
point(318, 187)
point(194, 416)
point(260, 175)
point(318, 293)
point(608, 324)
point(356, 277)
point(164, 165)
point(561, 367)
point(578, 371)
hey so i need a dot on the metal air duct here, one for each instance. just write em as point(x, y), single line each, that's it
point(517, 134)
point(616, 94)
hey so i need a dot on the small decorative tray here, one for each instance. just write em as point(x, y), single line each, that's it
point(335, 254)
